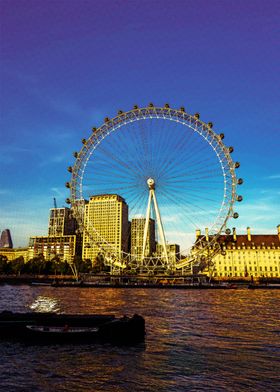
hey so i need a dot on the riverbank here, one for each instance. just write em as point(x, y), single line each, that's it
point(116, 281)
point(29, 279)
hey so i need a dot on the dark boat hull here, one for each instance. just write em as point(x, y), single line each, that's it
point(16, 326)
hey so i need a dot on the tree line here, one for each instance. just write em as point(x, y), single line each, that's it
point(39, 266)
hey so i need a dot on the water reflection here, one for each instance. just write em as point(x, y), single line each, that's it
point(44, 304)
point(224, 340)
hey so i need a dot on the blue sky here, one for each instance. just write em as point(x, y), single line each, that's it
point(65, 65)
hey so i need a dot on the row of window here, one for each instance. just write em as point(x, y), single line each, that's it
point(248, 262)
point(272, 275)
point(250, 268)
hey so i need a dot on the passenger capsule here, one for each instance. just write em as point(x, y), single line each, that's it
point(106, 119)
point(93, 129)
point(67, 184)
point(235, 215)
point(84, 141)
point(69, 169)
point(75, 154)
point(224, 253)
point(237, 165)
point(222, 136)
point(210, 125)
point(167, 106)
point(228, 231)
point(151, 105)
point(197, 116)
point(239, 198)
point(182, 109)
point(135, 107)
point(230, 149)
point(240, 181)
point(68, 201)
point(120, 112)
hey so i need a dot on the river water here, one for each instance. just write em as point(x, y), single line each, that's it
point(197, 340)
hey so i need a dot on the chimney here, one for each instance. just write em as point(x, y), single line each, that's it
point(278, 231)
point(249, 233)
point(197, 233)
point(234, 233)
point(207, 234)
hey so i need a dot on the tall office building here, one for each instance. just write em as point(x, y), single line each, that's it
point(106, 226)
point(6, 239)
point(61, 222)
point(137, 237)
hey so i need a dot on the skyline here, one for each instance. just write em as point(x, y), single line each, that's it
point(65, 68)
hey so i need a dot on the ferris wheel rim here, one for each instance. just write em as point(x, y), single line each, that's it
point(165, 113)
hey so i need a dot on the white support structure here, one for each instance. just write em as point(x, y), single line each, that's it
point(152, 197)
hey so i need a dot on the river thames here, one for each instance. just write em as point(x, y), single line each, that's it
point(197, 340)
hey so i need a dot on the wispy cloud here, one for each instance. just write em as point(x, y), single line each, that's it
point(10, 154)
point(273, 177)
point(58, 158)
point(60, 192)
point(5, 191)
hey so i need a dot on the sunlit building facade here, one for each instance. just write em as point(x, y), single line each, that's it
point(248, 256)
point(106, 227)
point(61, 241)
point(15, 253)
point(62, 247)
point(7, 250)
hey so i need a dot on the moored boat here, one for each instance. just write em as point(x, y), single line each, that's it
point(65, 328)
point(59, 334)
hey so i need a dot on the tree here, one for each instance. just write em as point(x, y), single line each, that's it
point(35, 265)
point(3, 264)
point(16, 266)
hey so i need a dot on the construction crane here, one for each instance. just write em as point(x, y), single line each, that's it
point(54, 203)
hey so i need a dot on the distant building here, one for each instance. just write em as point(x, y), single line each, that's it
point(61, 222)
point(137, 238)
point(6, 239)
point(61, 240)
point(173, 252)
point(106, 226)
point(14, 253)
point(249, 255)
point(63, 247)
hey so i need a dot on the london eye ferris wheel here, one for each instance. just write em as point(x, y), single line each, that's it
point(169, 167)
